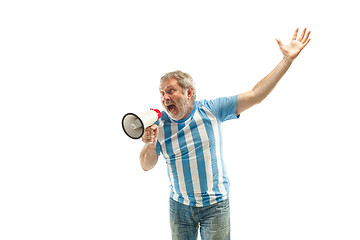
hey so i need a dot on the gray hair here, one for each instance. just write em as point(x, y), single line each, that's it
point(184, 80)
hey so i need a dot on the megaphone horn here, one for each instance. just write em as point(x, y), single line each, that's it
point(134, 125)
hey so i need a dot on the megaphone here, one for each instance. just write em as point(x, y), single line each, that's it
point(134, 125)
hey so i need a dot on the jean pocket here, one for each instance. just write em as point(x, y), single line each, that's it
point(223, 206)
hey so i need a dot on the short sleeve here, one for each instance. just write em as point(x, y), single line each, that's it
point(223, 108)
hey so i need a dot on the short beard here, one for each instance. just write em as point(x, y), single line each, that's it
point(183, 107)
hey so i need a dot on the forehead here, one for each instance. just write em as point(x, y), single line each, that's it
point(171, 82)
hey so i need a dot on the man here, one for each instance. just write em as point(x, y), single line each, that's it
point(188, 135)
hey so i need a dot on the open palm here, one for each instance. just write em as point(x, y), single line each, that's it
point(291, 51)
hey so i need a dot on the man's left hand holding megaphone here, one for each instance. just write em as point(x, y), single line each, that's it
point(151, 134)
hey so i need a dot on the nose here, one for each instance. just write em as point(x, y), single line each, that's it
point(165, 97)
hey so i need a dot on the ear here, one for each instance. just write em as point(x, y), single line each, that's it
point(189, 93)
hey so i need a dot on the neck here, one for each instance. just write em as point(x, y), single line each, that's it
point(189, 110)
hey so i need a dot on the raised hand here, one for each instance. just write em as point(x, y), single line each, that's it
point(291, 51)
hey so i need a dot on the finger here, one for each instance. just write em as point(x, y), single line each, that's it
point(150, 134)
point(279, 42)
point(145, 139)
point(149, 130)
point(153, 127)
point(295, 34)
point(306, 43)
point(302, 35)
point(151, 139)
point(148, 139)
point(306, 38)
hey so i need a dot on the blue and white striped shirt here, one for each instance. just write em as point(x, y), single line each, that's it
point(192, 148)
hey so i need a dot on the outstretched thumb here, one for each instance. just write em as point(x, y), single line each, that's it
point(279, 42)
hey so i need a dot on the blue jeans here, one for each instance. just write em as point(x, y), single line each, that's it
point(213, 220)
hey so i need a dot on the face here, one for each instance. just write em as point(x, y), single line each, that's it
point(176, 103)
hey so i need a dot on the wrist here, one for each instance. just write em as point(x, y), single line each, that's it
point(287, 61)
point(151, 144)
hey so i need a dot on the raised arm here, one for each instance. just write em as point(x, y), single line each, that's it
point(267, 84)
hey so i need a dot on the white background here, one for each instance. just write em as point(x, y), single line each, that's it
point(70, 70)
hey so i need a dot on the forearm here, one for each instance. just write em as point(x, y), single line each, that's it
point(263, 88)
point(268, 83)
point(148, 156)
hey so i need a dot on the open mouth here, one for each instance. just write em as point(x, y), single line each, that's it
point(171, 107)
